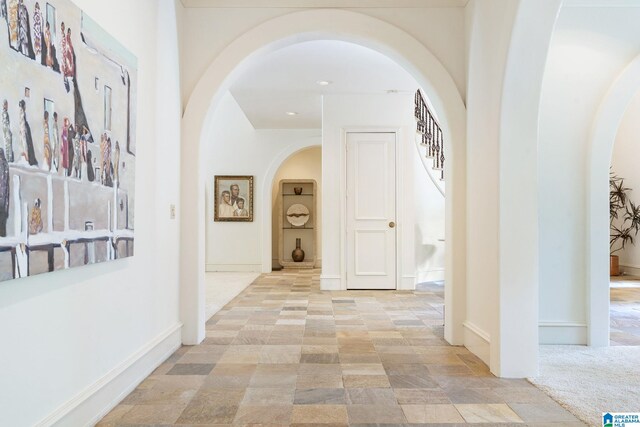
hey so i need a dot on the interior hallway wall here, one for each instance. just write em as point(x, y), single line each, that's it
point(74, 342)
point(305, 164)
point(236, 148)
point(487, 57)
point(589, 50)
point(429, 223)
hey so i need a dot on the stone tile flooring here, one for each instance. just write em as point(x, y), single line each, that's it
point(625, 316)
point(285, 353)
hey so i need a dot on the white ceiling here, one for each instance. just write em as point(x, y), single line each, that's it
point(321, 3)
point(286, 80)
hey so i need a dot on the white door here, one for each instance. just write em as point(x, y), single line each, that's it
point(371, 210)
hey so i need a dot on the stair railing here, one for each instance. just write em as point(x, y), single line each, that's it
point(429, 134)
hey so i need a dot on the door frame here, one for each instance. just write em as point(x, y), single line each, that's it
point(397, 131)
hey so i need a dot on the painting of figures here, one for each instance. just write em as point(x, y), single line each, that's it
point(67, 140)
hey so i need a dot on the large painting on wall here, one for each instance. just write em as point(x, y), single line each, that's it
point(67, 143)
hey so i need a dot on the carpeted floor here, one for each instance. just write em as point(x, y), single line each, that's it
point(588, 381)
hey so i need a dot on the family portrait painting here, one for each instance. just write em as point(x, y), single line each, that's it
point(233, 198)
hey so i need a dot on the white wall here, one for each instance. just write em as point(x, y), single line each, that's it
point(487, 56)
point(429, 223)
point(588, 51)
point(208, 31)
point(236, 148)
point(67, 334)
point(368, 112)
point(624, 163)
point(305, 164)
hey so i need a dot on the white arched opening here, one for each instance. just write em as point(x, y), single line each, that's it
point(304, 26)
point(603, 135)
point(267, 191)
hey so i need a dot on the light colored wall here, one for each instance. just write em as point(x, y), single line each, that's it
point(624, 163)
point(236, 148)
point(365, 112)
point(588, 52)
point(429, 223)
point(65, 332)
point(305, 164)
point(207, 31)
point(487, 56)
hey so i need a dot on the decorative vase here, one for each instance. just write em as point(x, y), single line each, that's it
point(297, 190)
point(614, 266)
point(297, 254)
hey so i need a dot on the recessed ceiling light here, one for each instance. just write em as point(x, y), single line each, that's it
point(392, 91)
point(324, 82)
point(291, 113)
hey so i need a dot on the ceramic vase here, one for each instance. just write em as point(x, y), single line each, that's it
point(298, 254)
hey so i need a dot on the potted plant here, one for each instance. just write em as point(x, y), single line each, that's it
point(624, 220)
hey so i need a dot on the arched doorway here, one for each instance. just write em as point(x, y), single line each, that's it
point(603, 135)
point(313, 25)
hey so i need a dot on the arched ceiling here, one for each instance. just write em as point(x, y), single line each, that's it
point(287, 81)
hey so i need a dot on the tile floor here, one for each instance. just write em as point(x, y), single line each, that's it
point(222, 287)
point(625, 312)
point(285, 353)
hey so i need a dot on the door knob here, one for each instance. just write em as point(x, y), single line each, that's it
point(392, 224)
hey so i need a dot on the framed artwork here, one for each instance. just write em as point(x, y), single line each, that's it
point(233, 198)
point(67, 140)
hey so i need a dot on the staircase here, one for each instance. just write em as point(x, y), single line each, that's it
point(429, 138)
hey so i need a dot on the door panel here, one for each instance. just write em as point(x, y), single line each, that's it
point(371, 208)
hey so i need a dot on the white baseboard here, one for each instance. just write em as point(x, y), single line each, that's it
point(94, 402)
point(330, 283)
point(477, 342)
point(631, 270)
point(573, 333)
point(253, 268)
point(434, 275)
point(407, 283)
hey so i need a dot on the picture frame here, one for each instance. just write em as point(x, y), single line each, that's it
point(233, 198)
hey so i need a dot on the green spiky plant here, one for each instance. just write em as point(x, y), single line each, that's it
point(627, 213)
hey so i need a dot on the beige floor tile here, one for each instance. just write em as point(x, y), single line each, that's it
point(366, 381)
point(273, 381)
point(263, 415)
point(280, 354)
point(153, 414)
point(363, 369)
point(202, 412)
point(219, 397)
point(166, 395)
point(318, 349)
point(319, 414)
point(488, 413)
point(268, 396)
point(432, 414)
point(412, 396)
point(319, 381)
point(375, 414)
point(320, 369)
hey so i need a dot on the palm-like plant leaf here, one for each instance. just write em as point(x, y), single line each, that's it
point(625, 228)
point(632, 215)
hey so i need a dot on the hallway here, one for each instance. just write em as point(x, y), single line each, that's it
point(285, 353)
